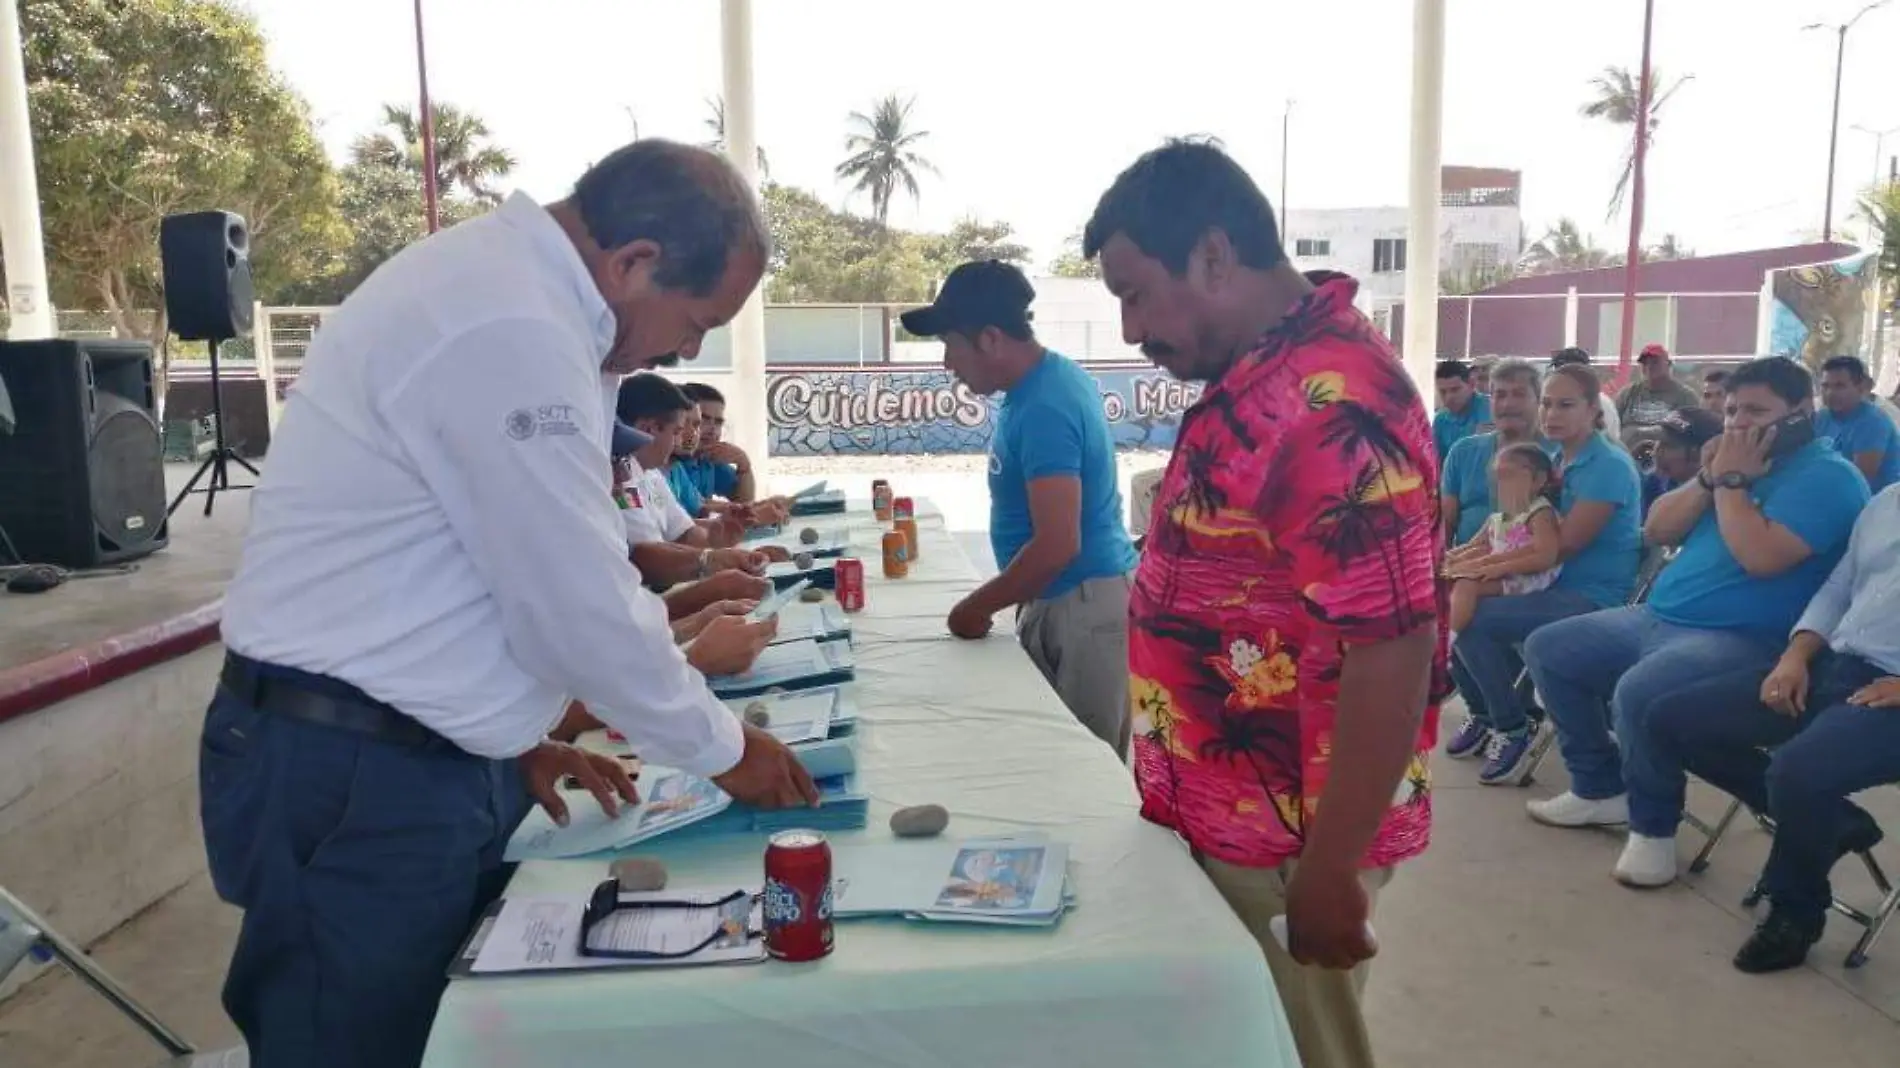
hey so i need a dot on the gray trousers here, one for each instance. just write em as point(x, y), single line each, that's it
point(1080, 643)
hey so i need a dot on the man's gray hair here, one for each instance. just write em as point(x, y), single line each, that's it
point(690, 201)
point(1504, 370)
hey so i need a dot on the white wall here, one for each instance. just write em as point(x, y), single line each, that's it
point(1352, 231)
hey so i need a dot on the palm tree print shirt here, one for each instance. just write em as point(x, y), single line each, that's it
point(1298, 517)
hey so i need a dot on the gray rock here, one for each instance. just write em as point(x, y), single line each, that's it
point(811, 595)
point(802, 561)
point(638, 873)
point(920, 821)
point(758, 714)
point(809, 535)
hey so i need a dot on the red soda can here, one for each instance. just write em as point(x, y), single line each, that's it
point(848, 574)
point(798, 896)
point(903, 508)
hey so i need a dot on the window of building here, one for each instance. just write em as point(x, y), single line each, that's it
point(1313, 246)
point(1388, 255)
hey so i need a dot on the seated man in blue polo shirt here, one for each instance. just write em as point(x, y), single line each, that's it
point(1462, 410)
point(1055, 501)
point(1760, 528)
point(1856, 427)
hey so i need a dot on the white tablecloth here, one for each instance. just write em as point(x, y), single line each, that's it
point(1150, 970)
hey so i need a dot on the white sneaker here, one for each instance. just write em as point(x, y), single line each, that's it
point(1569, 810)
point(1646, 863)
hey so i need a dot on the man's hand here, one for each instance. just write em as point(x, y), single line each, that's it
point(725, 452)
point(729, 644)
point(748, 560)
point(771, 512)
point(1786, 688)
point(1742, 452)
point(690, 627)
point(605, 777)
point(777, 554)
point(735, 585)
point(768, 775)
point(1326, 914)
point(968, 620)
point(1880, 693)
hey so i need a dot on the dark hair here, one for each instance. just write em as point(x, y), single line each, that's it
point(1716, 377)
point(1167, 200)
point(1457, 369)
point(1570, 356)
point(1855, 368)
point(1533, 456)
point(701, 393)
point(1585, 379)
point(687, 200)
point(1785, 378)
point(648, 396)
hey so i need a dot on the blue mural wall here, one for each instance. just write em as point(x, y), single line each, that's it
point(888, 412)
point(1820, 311)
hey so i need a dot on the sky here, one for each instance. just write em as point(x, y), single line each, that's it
point(1033, 106)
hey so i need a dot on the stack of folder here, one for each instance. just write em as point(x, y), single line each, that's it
point(795, 665)
point(1015, 881)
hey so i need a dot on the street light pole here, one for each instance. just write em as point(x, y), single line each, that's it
point(1834, 127)
point(429, 191)
point(1286, 140)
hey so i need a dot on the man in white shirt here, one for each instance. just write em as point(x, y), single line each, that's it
point(434, 567)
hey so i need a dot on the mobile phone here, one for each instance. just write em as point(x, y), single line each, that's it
point(1791, 433)
point(775, 603)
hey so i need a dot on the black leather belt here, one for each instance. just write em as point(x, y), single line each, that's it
point(322, 700)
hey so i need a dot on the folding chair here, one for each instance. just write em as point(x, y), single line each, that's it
point(24, 934)
point(1655, 558)
point(1872, 923)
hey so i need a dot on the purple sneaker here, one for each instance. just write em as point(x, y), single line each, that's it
point(1504, 759)
point(1469, 740)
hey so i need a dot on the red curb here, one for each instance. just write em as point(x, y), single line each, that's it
point(50, 680)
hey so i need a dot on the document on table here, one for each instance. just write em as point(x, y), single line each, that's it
point(808, 662)
point(668, 799)
point(1023, 876)
point(804, 716)
point(542, 934)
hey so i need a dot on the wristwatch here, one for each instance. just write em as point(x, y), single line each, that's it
point(1734, 480)
point(705, 562)
point(1702, 479)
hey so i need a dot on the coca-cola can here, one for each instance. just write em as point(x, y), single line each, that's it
point(903, 508)
point(848, 573)
point(798, 896)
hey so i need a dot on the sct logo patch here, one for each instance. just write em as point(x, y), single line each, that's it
point(546, 420)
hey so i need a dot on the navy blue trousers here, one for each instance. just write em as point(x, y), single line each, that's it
point(360, 865)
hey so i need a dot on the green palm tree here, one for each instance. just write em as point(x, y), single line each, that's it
point(1564, 247)
point(884, 154)
point(466, 161)
point(716, 124)
point(1616, 97)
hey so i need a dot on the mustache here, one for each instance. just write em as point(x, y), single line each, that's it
point(671, 359)
point(1156, 350)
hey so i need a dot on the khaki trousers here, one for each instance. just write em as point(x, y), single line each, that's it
point(1079, 641)
point(1322, 1005)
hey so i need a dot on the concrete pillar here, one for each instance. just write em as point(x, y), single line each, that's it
point(28, 301)
point(745, 405)
point(1421, 243)
point(1571, 311)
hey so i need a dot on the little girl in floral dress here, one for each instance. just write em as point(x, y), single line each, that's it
point(1517, 549)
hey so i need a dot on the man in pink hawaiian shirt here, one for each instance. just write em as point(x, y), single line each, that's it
point(1283, 643)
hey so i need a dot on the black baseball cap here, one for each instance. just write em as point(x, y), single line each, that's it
point(975, 295)
point(1690, 427)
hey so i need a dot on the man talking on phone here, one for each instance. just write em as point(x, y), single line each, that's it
point(434, 568)
point(1760, 527)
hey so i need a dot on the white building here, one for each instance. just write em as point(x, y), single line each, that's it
point(1480, 227)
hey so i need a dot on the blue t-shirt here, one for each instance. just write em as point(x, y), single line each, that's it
point(1467, 479)
point(1813, 492)
point(1605, 571)
point(1051, 423)
point(1449, 429)
point(709, 477)
point(685, 490)
point(1867, 430)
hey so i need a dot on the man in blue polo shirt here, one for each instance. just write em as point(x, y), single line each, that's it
point(1055, 508)
point(1465, 477)
point(1760, 528)
point(1855, 425)
point(1462, 410)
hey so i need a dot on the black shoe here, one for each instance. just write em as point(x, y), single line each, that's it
point(1781, 942)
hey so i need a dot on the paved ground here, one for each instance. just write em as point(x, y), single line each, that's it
point(1506, 945)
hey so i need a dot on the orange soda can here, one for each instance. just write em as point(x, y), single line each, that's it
point(908, 528)
point(896, 554)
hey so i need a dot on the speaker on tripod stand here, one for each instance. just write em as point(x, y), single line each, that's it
point(206, 256)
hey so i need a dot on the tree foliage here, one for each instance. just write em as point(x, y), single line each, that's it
point(1565, 247)
point(1880, 209)
point(884, 156)
point(971, 238)
point(466, 161)
point(822, 255)
point(1070, 263)
point(142, 108)
point(1616, 96)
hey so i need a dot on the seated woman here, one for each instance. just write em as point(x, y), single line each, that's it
point(1599, 505)
point(1830, 708)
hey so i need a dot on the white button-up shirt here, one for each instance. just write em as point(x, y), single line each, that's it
point(434, 524)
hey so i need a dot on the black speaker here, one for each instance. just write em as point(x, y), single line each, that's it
point(207, 262)
point(82, 476)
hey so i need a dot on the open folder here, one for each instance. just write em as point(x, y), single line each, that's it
point(799, 665)
point(666, 928)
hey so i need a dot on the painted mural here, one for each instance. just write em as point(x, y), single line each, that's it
point(927, 412)
point(1821, 311)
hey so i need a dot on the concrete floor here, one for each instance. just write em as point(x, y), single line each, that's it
point(1506, 945)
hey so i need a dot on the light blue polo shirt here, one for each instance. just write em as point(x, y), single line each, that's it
point(1605, 571)
point(1467, 479)
point(1813, 492)
point(1051, 423)
point(1449, 429)
point(1867, 429)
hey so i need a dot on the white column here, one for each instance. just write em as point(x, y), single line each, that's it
point(1421, 242)
point(1571, 311)
point(745, 405)
point(1765, 319)
point(28, 301)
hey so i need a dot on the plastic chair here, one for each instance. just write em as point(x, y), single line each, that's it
point(23, 935)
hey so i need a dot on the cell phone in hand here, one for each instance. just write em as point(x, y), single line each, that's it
point(772, 605)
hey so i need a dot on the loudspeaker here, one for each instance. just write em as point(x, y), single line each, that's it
point(82, 476)
point(207, 262)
